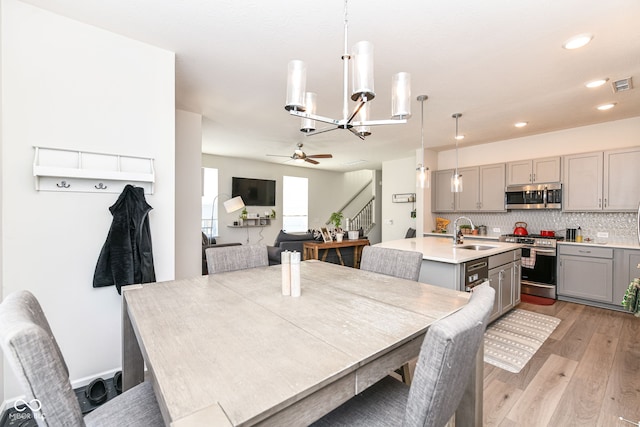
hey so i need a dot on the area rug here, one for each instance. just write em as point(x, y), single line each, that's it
point(512, 340)
point(533, 299)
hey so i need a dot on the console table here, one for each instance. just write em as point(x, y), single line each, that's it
point(311, 250)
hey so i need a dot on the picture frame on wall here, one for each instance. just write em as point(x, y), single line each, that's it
point(326, 236)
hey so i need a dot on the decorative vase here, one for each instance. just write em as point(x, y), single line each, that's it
point(339, 237)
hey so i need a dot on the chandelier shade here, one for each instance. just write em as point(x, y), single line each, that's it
point(401, 95)
point(354, 119)
point(309, 125)
point(296, 84)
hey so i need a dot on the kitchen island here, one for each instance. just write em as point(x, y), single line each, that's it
point(455, 267)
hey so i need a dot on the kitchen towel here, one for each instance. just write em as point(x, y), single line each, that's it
point(529, 261)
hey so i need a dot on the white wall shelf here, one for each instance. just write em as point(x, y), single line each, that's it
point(67, 170)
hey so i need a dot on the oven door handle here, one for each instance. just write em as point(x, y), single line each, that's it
point(544, 251)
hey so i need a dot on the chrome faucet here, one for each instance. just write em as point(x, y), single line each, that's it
point(457, 234)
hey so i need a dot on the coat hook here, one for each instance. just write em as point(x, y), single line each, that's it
point(101, 186)
point(63, 184)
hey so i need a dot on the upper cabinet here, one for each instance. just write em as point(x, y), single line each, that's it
point(602, 181)
point(534, 171)
point(442, 199)
point(483, 189)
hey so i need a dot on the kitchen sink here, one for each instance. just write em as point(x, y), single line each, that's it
point(477, 247)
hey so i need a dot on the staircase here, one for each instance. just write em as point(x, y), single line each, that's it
point(365, 215)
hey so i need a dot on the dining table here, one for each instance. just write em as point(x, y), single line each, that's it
point(230, 349)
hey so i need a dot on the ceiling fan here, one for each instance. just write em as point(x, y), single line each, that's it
point(300, 156)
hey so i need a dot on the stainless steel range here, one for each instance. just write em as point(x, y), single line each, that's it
point(539, 270)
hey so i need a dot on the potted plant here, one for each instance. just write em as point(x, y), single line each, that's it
point(244, 213)
point(336, 219)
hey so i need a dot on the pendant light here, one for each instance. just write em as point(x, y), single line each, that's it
point(456, 179)
point(422, 172)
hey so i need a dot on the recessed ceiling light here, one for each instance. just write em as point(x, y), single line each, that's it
point(521, 124)
point(596, 83)
point(578, 41)
point(605, 107)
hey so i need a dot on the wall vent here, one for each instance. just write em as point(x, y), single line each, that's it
point(622, 85)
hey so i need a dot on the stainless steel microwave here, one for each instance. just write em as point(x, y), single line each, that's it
point(534, 196)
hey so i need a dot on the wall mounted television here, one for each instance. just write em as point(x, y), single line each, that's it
point(254, 192)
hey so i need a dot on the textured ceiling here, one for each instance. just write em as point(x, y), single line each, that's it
point(495, 62)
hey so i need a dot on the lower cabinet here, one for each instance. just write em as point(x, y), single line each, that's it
point(586, 272)
point(504, 277)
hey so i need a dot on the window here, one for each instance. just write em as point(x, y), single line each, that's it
point(209, 195)
point(295, 206)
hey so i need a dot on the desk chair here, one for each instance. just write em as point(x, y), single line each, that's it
point(34, 355)
point(446, 361)
point(231, 258)
point(392, 262)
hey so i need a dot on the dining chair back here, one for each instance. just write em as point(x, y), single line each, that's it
point(392, 262)
point(231, 258)
point(36, 360)
point(445, 364)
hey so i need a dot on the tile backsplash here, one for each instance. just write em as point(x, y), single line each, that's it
point(621, 226)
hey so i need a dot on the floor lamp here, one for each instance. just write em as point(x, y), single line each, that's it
point(231, 205)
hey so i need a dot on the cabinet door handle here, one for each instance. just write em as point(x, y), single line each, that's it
point(530, 178)
point(534, 178)
point(599, 203)
point(605, 203)
point(584, 252)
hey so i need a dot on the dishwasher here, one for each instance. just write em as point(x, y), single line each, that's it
point(475, 272)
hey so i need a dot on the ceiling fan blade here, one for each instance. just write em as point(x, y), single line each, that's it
point(320, 156)
point(276, 155)
point(313, 162)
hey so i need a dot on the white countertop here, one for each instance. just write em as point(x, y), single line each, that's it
point(441, 249)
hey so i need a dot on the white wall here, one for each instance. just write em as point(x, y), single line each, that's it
point(603, 136)
point(70, 85)
point(1, 197)
point(188, 194)
point(398, 176)
point(328, 191)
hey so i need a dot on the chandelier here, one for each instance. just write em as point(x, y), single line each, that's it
point(303, 104)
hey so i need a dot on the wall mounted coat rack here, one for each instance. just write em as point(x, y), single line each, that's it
point(66, 170)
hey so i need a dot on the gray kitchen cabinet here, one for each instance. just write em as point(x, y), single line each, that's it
point(517, 276)
point(602, 181)
point(483, 189)
point(534, 171)
point(442, 199)
point(504, 277)
point(582, 182)
point(627, 268)
point(620, 190)
point(585, 272)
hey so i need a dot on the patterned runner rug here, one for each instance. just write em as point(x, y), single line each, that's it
point(510, 341)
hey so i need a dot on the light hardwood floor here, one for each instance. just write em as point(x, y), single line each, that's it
point(587, 373)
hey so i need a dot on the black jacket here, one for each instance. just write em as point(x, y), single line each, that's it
point(126, 256)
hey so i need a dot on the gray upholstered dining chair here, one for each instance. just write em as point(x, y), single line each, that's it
point(231, 258)
point(34, 355)
point(397, 263)
point(447, 358)
point(392, 262)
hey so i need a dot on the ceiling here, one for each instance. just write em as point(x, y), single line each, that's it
point(495, 62)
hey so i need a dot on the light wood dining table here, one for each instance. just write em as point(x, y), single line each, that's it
point(229, 349)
